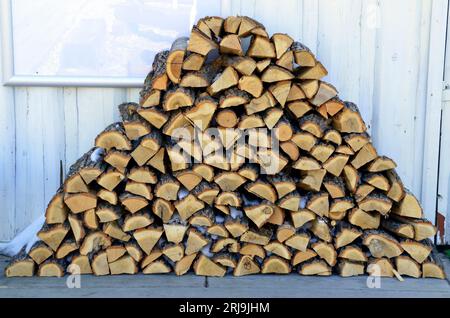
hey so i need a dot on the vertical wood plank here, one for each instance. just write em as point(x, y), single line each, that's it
point(439, 25)
point(7, 160)
point(72, 127)
point(396, 73)
point(40, 147)
point(341, 29)
point(97, 108)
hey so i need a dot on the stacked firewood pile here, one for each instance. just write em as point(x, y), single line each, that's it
point(239, 159)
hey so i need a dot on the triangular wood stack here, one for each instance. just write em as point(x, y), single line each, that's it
point(287, 181)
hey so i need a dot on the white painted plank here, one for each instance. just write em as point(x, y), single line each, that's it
point(396, 73)
point(133, 95)
point(444, 178)
point(309, 15)
point(97, 108)
point(39, 146)
point(72, 126)
point(7, 160)
point(341, 29)
point(433, 106)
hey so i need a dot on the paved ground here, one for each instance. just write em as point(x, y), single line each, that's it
point(198, 287)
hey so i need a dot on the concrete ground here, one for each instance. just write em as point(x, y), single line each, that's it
point(191, 286)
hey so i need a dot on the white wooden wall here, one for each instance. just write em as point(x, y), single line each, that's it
point(377, 54)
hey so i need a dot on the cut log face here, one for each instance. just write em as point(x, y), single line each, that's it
point(239, 158)
point(381, 244)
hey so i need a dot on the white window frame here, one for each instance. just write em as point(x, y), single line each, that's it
point(12, 79)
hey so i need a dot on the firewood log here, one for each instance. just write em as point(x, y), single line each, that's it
point(100, 266)
point(346, 234)
point(175, 59)
point(302, 217)
point(80, 202)
point(380, 267)
point(304, 140)
point(136, 221)
point(275, 265)
point(261, 47)
point(51, 268)
point(225, 259)
point(114, 252)
point(321, 229)
point(53, 235)
point(284, 232)
point(195, 242)
point(148, 237)
point(155, 116)
point(40, 252)
point(66, 248)
point(396, 191)
point(348, 268)
point(228, 78)
point(365, 155)
point(231, 44)
point(279, 249)
point(353, 253)
point(21, 266)
point(133, 125)
point(303, 256)
point(325, 251)
point(204, 217)
point(401, 229)
point(173, 252)
point(188, 206)
point(423, 229)
point(298, 241)
point(419, 251)
point(381, 244)
point(405, 265)
point(113, 137)
point(158, 267)
point(409, 206)
point(244, 65)
point(365, 220)
point(246, 266)
point(324, 93)
point(114, 230)
point(363, 191)
point(335, 187)
point(251, 84)
point(236, 227)
point(56, 212)
point(323, 151)
point(206, 267)
point(349, 120)
point(259, 237)
point(200, 43)
point(318, 203)
point(376, 202)
point(315, 267)
point(183, 265)
point(303, 55)
point(336, 164)
point(309, 88)
point(433, 267)
point(286, 61)
point(218, 230)
point(163, 209)
point(124, 265)
point(134, 251)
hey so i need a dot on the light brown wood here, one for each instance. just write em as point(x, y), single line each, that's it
point(382, 244)
point(206, 267)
